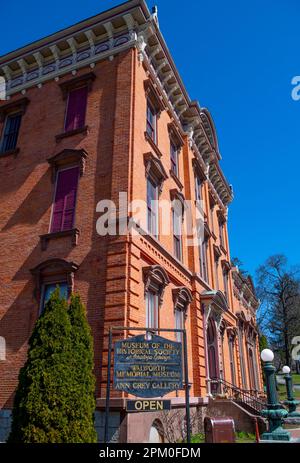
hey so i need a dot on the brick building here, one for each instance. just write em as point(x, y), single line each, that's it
point(91, 111)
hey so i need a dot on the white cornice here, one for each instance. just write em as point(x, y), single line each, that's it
point(244, 290)
point(101, 37)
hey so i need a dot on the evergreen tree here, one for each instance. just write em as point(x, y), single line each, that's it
point(49, 392)
point(82, 423)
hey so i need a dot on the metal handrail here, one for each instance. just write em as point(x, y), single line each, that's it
point(239, 395)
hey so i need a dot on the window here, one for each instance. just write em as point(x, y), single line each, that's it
point(178, 205)
point(156, 175)
point(179, 323)
point(76, 109)
point(155, 280)
point(212, 356)
point(10, 115)
point(203, 259)
point(48, 289)
point(221, 233)
point(174, 159)
point(252, 370)
point(49, 274)
point(177, 233)
point(11, 132)
point(198, 186)
point(152, 310)
point(222, 333)
point(232, 359)
point(242, 356)
point(152, 207)
point(211, 212)
point(225, 282)
point(2, 348)
point(63, 213)
point(217, 272)
point(182, 297)
point(151, 122)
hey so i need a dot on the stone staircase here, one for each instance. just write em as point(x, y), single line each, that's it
point(243, 406)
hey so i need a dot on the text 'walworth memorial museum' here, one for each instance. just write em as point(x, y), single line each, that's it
point(96, 118)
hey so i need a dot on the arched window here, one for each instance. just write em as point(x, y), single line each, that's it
point(251, 370)
point(182, 297)
point(231, 345)
point(155, 175)
point(156, 435)
point(241, 352)
point(50, 274)
point(155, 279)
point(211, 340)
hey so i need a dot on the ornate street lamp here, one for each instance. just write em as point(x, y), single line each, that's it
point(274, 412)
point(290, 402)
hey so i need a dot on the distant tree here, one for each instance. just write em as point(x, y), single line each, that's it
point(236, 262)
point(279, 317)
point(263, 344)
point(53, 400)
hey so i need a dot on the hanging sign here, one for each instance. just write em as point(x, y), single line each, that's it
point(147, 368)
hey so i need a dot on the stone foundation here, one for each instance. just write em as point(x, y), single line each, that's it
point(113, 430)
point(113, 426)
point(160, 426)
point(165, 426)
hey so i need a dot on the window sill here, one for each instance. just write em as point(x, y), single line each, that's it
point(204, 282)
point(153, 145)
point(178, 259)
point(73, 233)
point(70, 133)
point(176, 179)
point(199, 203)
point(14, 152)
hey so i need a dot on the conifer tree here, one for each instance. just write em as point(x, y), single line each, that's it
point(82, 423)
point(49, 399)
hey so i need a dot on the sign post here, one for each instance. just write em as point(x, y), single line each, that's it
point(187, 390)
point(108, 387)
point(148, 368)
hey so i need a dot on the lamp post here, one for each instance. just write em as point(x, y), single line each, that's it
point(274, 412)
point(290, 402)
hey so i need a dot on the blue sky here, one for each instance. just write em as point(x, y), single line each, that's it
point(237, 58)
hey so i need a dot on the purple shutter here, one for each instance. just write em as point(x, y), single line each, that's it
point(65, 199)
point(75, 117)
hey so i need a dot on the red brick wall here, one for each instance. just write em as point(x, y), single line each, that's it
point(27, 191)
point(109, 277)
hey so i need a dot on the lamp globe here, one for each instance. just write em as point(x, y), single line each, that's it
point(267, 355)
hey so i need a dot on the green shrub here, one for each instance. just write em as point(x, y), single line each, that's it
point(54, 400)
point(82, 424)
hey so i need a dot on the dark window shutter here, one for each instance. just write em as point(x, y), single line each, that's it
point(65, 200)
point(76, 108)
point(11, 132)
